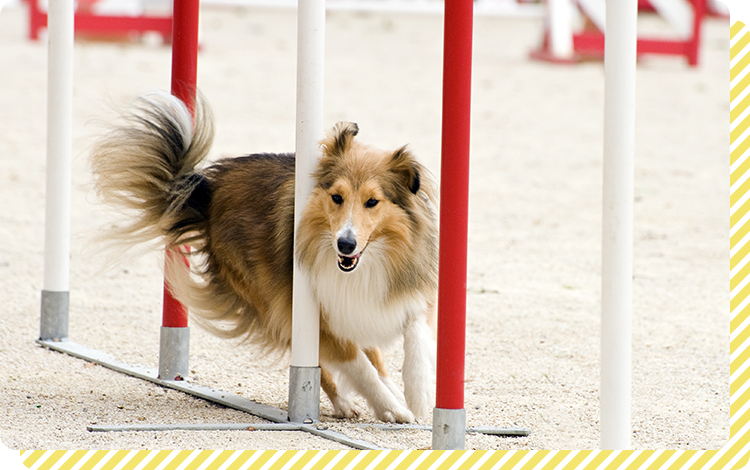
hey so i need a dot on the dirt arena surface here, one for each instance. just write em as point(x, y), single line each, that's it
point(532, 356)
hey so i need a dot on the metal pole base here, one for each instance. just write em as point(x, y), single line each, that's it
point(304, 394)
point(448, 429)
point(54, 319)
point(174, 351)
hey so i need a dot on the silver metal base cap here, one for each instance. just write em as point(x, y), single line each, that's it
point(448, 429)
point(174, 353)
point(53, 325)
point(304, 394)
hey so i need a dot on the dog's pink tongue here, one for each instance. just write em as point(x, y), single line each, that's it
point(348, 262)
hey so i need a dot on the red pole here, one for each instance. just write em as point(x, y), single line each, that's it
point(173, 313)
point(454, 203)
point(185, 50)
point(185, 16)
point(693, 45)
point(37, 20)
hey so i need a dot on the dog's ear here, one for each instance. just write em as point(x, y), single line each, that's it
point(407, 167)
point(339, 139)
point(335, 145)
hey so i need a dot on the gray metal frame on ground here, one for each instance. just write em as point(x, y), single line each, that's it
point(279, 418)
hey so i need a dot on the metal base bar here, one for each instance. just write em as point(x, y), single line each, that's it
point(174, 353)
point(490, 430)
point(195, 427)
point(216, 396)
point(54, 316)
point(279, 418)
point(314, 429)
point(134, 370)
point(304, 394)
point(448, 429)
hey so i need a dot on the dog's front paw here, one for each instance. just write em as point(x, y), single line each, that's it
point(421, 410)
point(344, 407)
point(398, 414)
point(419, 398)
point(397, 393)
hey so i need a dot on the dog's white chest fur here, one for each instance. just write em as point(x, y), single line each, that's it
point(357, 305)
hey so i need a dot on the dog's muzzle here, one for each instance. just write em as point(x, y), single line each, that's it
point(347, 261)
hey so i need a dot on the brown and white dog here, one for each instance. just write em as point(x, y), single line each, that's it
point(367, 241)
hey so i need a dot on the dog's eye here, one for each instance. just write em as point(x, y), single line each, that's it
point(337, 199)
point(372, 202)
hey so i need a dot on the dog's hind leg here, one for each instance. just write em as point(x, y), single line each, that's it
point(343, 405)
point(418, 367)
point(376, 359)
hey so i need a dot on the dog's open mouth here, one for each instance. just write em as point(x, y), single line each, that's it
point(348, 263)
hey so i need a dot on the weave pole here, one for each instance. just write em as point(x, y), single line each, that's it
point(449, 416)
point(56, 287)
point(560, 22)
point(617, 223)
point(304, 372)
point(174, 340)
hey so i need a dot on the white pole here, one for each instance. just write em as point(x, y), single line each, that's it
point(304, 383)
point(617, 223)
point(54, 321)
point(561, 28)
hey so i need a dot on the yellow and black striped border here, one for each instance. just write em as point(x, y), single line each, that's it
point(732, 456)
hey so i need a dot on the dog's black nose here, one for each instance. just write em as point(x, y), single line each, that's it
point(347, 245)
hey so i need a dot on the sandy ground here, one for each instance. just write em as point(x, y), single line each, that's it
point(532, 354)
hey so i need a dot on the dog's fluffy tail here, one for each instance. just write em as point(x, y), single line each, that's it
point(146, 166)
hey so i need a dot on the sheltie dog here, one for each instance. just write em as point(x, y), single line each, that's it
point(367, 243)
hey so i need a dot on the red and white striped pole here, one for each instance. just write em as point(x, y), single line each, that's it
point(449, 416)
point(174, 344)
